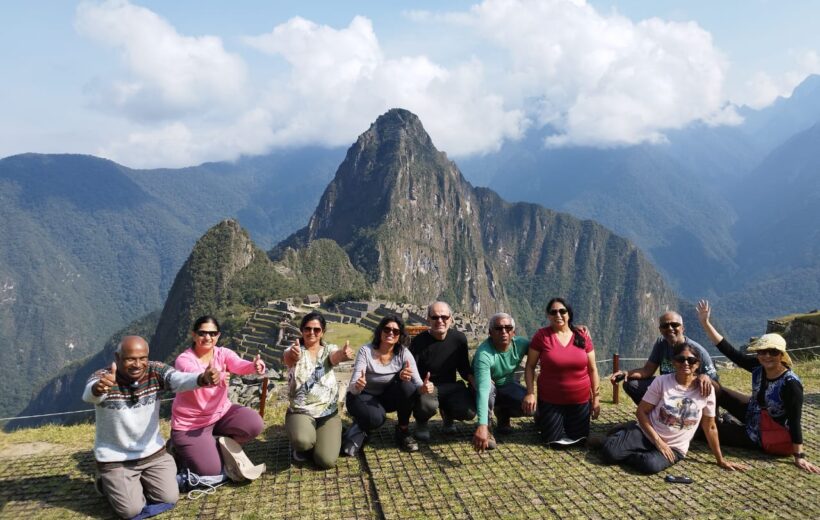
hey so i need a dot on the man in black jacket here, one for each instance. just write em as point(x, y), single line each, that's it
point(440, 353)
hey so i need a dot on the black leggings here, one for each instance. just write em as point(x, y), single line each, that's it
point(731, 434)
point(369, 410)
point(631, 447)
point(563, 420)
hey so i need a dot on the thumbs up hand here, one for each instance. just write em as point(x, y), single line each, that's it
point(259, 364)
point(406, 373)
point(296, 351)
point(347, 352)
point(106, 381)
point(211, 376)
point(427, 387)
point(361, 382)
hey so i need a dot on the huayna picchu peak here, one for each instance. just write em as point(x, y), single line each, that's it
point(418, 230)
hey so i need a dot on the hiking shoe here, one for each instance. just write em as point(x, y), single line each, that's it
point(405, 441)
point(238, 466)
point(448, 425)
point(504, 424)
point(422, 432)
point(491, 444)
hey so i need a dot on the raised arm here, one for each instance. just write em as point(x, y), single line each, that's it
point(704, 317)
point(738, 358)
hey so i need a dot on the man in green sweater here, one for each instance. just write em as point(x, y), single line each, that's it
point(494, 364)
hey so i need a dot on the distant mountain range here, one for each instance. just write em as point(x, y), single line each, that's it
point(724, 212)
point(693, 203)
point(89, 245)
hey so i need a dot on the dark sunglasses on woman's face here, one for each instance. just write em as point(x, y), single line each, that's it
point(211, 333)
point(769, 352)
point(391, 330)
point(556, 312)
point(689, 360)
point(670, 325)
point(315, 330)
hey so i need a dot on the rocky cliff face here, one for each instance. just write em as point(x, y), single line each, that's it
point(419, 231)
point(800, 330)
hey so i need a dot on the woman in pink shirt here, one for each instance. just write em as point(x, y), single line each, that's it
point(204, 422)
point(568, 382)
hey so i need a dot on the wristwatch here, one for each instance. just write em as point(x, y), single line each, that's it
point(800, 455)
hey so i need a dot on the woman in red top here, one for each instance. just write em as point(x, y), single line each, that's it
point(568, 382)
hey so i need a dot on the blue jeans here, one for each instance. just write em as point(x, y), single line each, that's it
point(506, 400)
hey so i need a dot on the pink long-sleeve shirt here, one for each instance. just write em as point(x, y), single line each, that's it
point(206, 405)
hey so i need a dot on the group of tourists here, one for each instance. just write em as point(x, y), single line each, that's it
point(142, 475)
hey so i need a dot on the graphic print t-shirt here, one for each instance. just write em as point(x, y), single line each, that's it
point(678, 410)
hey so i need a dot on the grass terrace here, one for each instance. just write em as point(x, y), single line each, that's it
point(48, 473)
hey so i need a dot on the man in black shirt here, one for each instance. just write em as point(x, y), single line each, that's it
point(441, 352)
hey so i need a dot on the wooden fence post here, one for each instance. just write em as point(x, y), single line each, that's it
point(263, 397)
point(616, 389)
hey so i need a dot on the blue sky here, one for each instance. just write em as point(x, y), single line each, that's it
point(158, 83)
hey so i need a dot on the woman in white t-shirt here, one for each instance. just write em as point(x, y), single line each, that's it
point(668, 417)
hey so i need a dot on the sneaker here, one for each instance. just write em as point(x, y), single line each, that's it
point(197, 486)
point(353, 440)
point(566, 442)
point(405, 441)
point(448, 425)
point(238, 466)
point(300, 456)
point(422, 432)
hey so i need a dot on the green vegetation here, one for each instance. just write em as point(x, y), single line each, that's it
point(357, 335)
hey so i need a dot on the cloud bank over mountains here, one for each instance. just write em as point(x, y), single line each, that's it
point(593, 78)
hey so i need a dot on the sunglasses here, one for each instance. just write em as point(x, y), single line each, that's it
point(391, 330)
point(443, 317)
point(499, 328)
point(556, 312)
point(211, 333)
point(769, 352)
point(689, 360)
point(670, 325)
point(315, 330)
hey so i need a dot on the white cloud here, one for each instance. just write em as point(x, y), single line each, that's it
point(604, 80)
point(599, 80)
point(340, 81)
point(762, 89)
point(169, 74)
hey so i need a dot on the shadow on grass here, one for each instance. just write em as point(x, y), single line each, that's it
point(27, 496)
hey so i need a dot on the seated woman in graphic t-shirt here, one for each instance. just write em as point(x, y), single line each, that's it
point(668, 417)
